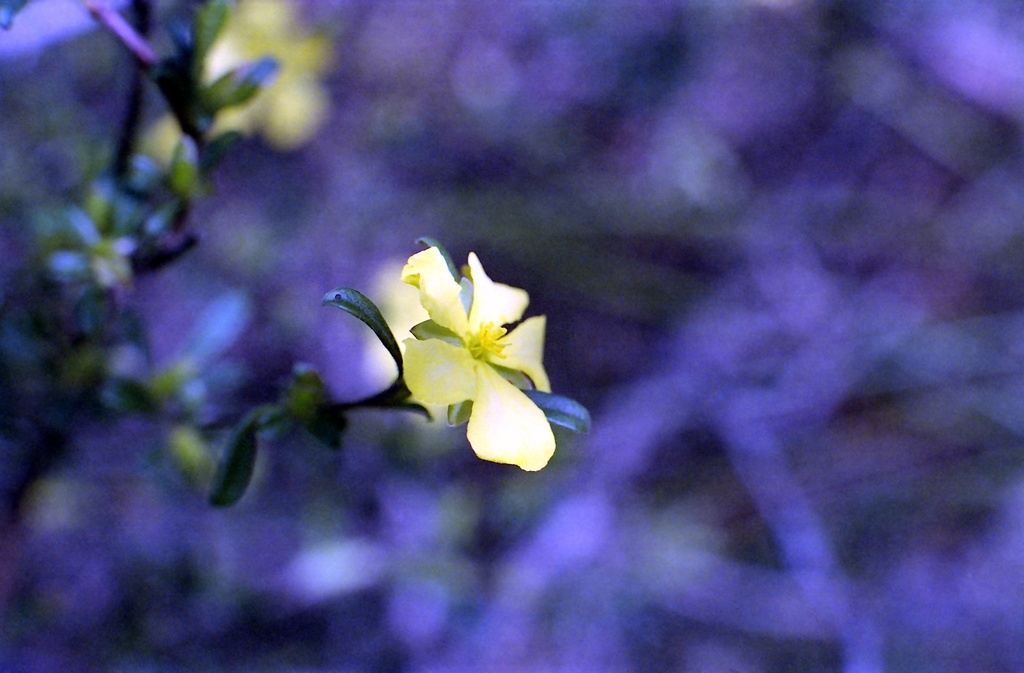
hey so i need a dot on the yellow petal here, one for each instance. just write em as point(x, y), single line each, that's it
point(524, 350)
point(506, 427)
point(295, 110)
point(493, 303)
point(439, 293)
point(160, 139)
point(438, 372)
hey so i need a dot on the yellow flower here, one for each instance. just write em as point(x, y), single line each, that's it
point(294, 105)
point(290, 111)
point(465, 353)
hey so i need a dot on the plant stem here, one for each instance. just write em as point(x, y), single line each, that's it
point(133, 114)
point(123, 31)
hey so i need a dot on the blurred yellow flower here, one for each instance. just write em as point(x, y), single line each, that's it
point(465, 353)
point(293, 107)
point(291, 110)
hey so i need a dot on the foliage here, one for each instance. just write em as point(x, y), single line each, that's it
point(135, 220)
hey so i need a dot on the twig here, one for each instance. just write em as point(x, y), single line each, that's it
point(171, 248)
point(123, 31)
point(133, 113)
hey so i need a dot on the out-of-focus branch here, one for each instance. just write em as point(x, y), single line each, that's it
point(123, 31)
point(807, 389)
point(142, 11)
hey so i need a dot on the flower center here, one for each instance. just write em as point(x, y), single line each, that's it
point(485, 341)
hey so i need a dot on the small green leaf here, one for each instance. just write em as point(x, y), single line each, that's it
point(209, 22)
point(81, 225)
point(240, 85)
point(8, 8)
point(181, 35)
point(217, 149)
point(98, 205)
point(184, 170)
point(161, 220)
point(305, 394)
point(145, 174)
point(561, 410)
point(459, 412)
point(466, 294)
point(68, 266)
point(128, 395)
point(235, 470)
point(515, 377)
point(428, 242)
point(125, 215)
point(354, 302)
point(428, 329)
point(168, 383)
point(176, 84)
point(93, 312)
point(327, 427)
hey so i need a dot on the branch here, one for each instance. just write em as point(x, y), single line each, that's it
point(133, 113)
point(122, 30)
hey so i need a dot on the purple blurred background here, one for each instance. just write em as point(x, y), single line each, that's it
point(779, 245)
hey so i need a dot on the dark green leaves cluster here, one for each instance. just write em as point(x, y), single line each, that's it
point(71, 346)
point(180, 77)
point(306, 404)
point(135, 218)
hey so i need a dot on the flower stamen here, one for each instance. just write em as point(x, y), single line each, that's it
point(486, 342)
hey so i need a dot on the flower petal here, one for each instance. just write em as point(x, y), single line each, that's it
point(439, 292)
point(438, 372)
point(506, 427)
point(493, 303)
point(524, 350)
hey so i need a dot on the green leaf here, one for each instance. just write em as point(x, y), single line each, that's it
point(128, 395)
point(327, 427)
point(235, 470)
point(428, 329)
point(354, 302)
point(305, 394)
point(161, 220)
point(80, 225)
point(240, 85)
point(145, 174)
point(209, 22)
point(8, 8)
point(561, 410)
point(184, 170)
point(428, 242)
point(515, 377)
point(93, 312)
point(460, 412)
point(125, 215)
point(68, 266)
point(217, 149)
point(177, 87)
